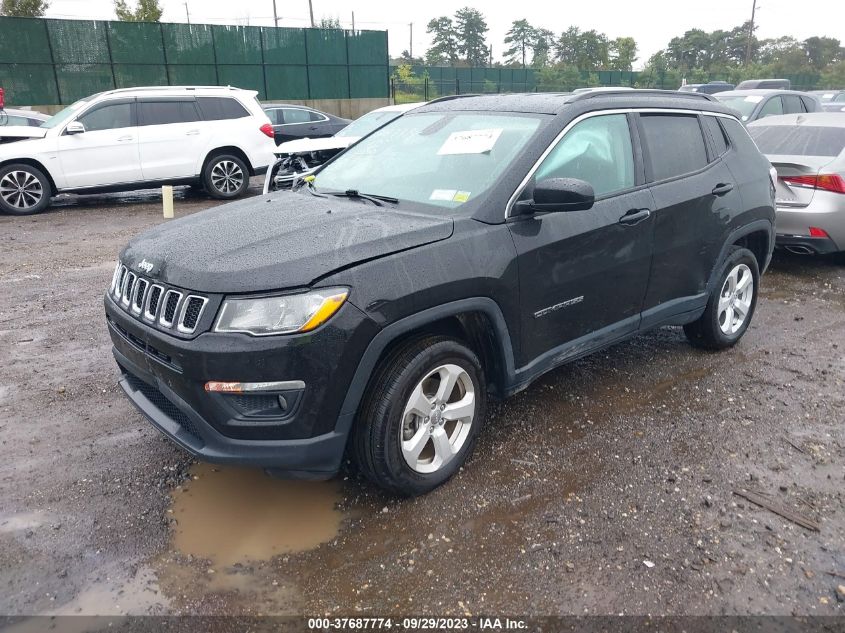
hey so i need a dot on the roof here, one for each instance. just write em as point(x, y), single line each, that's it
point(556, 103)
point(811, 119)
point(761, 92)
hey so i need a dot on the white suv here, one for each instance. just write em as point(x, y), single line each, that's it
point(135, 138)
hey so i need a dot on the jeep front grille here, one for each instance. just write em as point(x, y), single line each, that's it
point(166, 308)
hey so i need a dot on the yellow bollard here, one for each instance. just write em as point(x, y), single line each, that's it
point(167, 200)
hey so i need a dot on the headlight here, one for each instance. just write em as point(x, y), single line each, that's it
point(284, 314)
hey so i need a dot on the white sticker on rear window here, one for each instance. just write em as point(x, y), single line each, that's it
point(470, 142)
point(443, 194)
point(753, 98)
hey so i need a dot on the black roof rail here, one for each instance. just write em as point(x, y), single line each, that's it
point(643, 91)
point(453, 97)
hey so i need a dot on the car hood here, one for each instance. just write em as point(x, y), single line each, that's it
point(283, 240)
point(306, 145)
point(21, 132)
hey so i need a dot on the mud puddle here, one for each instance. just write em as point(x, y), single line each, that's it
point(234, 515)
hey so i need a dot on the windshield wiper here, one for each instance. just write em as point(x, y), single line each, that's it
point(354, 193)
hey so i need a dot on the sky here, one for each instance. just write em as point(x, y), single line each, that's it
point(651, 22)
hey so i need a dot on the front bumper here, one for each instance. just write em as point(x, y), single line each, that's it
point(164, 377)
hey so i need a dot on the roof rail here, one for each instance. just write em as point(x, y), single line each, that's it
point(643, 91)
point(453, 97)
point(153, 88)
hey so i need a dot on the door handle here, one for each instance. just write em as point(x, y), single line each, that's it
point(192, 133)
point(125, 138)
point(722, 188)
point(635, 216)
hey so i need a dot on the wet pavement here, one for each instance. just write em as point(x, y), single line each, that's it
point(607, 487)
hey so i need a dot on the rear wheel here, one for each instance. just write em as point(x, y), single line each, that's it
point(225, 177)
point(24, 190)
point(421, 418)
point(731, 303)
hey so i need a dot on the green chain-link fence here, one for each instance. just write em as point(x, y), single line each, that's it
point(44, 62)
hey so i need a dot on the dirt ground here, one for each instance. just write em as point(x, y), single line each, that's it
point(606, 488)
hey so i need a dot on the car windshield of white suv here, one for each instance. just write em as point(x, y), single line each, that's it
point(439, 158)
point(743, 104)
point(63, 115)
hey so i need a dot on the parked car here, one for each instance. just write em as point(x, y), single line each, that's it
point(579, 91)
point(134, 138)
point(758, 104)
point(11, 116)
point(808, 152)
point(295, 159)
point(709, 88)
point(471, 245)
point(764, 84)
point(832, 100)
point(291, 122)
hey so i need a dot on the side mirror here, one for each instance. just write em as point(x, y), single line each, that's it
point(75, 127)
point(554, 195)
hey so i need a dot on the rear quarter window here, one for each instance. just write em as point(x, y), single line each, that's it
point(675, 144)
point(798, 140)
point(221, 108)
point(717, 134)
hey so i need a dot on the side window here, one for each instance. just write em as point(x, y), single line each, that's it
point(316, 116)
point(275, 116)
point(840, 98)
point(11, 119)
point(739, 137)
point(295, 115)
point(165, 112)
point(108, 117)
point(220, 108)
point(675, 144)
point(717, 134)
point(792, 104)
point(597, 150)
point(772, 107)
point(809, 104)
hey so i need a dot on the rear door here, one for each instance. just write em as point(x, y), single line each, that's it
point(302, 123)
point(695, 198)
point(172, 137)
point(107, 152)
point(582, 272)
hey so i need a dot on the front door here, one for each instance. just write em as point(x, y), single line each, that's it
point(583, 274)
point(107, 152)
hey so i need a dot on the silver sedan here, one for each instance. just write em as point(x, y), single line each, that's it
point(808, 152)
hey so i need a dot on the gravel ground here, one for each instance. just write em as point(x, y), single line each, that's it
point(608, 487)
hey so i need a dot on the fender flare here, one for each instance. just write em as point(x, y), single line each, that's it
point(392, 332)
point(733, 236)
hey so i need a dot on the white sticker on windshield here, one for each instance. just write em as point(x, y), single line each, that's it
point(470, 142)
point(443, 194)
point(753, 98)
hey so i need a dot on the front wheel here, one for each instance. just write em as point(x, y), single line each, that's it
point(24, 190)
point(225, 177)
point(731, 303)
point(421, 418)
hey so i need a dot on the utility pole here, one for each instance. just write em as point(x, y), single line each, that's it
point(311, 12)
point(187, 13)
point(353, 20)
point(750, 33)
point(411, 42)
point(275, 15)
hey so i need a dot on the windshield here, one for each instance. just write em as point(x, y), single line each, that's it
point(367, 123)
point(744, 105)
point(440, 158)
point(63, 115)
point(803, 140)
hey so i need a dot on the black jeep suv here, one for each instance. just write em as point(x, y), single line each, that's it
point(462, 250)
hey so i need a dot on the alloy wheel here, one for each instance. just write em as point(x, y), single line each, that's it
point(735, 299)
point(227, 176)
point(21, 190)
point(437, 418)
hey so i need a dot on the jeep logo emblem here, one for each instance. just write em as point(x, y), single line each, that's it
point(146, 266)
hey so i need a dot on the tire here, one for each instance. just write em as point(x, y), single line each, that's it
point(721, 326)
point(441, 440)
point(24, 189)
point(225, 177)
